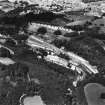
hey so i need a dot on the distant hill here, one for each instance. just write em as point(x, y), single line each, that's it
point(87, 1)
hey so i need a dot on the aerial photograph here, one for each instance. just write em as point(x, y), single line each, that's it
point(52, 52)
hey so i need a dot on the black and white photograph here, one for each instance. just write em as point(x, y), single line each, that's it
point(52, 52)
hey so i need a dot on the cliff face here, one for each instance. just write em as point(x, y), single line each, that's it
point(96, 6)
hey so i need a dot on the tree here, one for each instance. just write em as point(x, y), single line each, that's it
point(72, 34)
point(57, 32)
point(42, 30)
point(4, 53)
